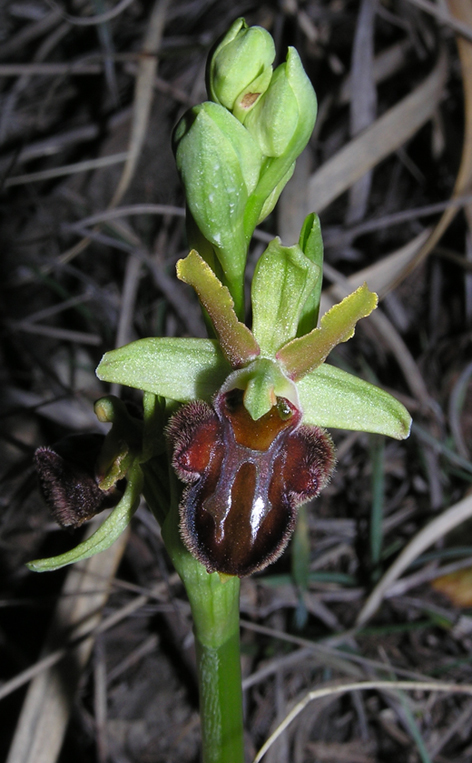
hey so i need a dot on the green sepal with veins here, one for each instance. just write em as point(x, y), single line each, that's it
point(284, 280)
point(175, 368)
point(332, 398)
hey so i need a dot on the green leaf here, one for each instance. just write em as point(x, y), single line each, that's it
point(106, 534)
point(283, 280)
point(330, 397)
point(306, 353)
point(179, 369)
point(236, 340)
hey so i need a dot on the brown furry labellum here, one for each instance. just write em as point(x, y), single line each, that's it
point(245, 479)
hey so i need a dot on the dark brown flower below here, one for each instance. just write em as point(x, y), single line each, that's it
point(68, 482)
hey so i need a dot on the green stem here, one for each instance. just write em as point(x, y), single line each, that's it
point(217, 259)
point(219, 674)
point(215, 610)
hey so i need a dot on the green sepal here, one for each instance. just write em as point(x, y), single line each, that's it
point(283, 281)
point(275, 117)
point(306, 353)
point(330, 397)
point(236, 340)
point(178, 369)
point(311, 244)
point(263, 382)
point(107, 533)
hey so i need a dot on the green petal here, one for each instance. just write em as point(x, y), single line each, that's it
point(179, 369)
point(330, 397)
point(306, 353)
point(236, 340)
point(106, 534)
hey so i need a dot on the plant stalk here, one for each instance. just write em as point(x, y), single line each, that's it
point(215, 608)
point(219, 672)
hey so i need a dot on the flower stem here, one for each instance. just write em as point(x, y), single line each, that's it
point(215, 610)
point(221, 715)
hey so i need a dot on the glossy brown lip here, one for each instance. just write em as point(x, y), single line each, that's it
point(245, 479)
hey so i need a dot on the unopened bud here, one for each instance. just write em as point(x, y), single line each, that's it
point(240, 68)
point(219, 163)
point(283, 118)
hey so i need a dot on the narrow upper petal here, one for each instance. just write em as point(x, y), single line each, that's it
point(305, 353)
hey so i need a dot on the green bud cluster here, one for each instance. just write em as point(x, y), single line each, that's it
point(236, 152)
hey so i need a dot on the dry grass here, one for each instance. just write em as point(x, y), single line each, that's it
point(91, 228)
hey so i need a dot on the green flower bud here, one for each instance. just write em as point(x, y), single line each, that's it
point(219, 163)
point(285, 112)
point(240, 68)
point(281, 122)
